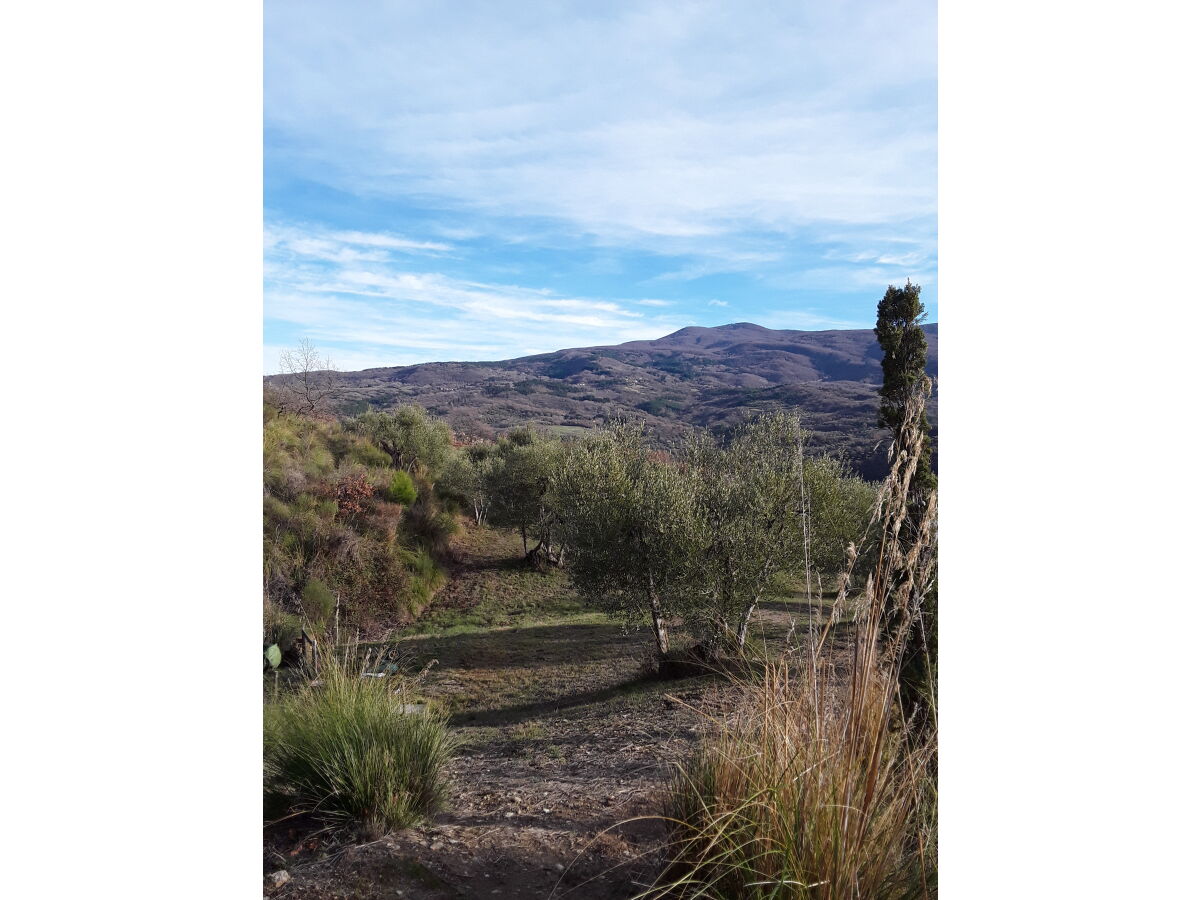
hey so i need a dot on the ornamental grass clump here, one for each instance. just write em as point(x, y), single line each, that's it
point(346, 749)
point(807, 793)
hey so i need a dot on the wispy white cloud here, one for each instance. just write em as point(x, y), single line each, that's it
point(344, 246)
point(360, 309)
point(680, 121)
point(723, 260)
point(717, 303)
point(389, 241)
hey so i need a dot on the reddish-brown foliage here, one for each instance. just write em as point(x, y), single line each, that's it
point(352, 493)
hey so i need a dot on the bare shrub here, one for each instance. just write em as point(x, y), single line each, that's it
point(309, 380)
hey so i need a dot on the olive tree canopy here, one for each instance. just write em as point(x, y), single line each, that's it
point(630, 516)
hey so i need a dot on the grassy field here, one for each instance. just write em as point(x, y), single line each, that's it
point(493, 588)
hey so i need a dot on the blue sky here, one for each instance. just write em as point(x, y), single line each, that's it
point(488, 180)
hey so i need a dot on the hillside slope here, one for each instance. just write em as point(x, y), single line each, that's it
point(696, 376)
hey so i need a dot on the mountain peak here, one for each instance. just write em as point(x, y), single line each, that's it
point(706, 329)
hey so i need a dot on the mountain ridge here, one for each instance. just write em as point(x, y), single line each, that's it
point(709, 376)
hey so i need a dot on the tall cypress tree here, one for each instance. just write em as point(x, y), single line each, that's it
point(898, 330)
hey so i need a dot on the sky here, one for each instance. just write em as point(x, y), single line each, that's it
point(486, 180)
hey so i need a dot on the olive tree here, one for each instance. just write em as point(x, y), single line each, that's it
point(753, 509)
point(630, 516)
point(768, 510)
point(467, 478)
point(516, 485)
point(839, 505)
point(409, 436)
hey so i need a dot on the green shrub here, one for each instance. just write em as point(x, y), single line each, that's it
point(341, 750)
point(317, 600)
point(401, 490)
point(369, 455)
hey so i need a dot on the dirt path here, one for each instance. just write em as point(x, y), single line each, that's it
point(566, 748)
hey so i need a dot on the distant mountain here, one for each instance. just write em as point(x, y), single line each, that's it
point(713, 377)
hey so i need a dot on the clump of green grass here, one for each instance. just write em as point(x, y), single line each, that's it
point(280, 627)
point(340, 748)
point(424, 580)
point(367, 454)
point(430, 526)
point(317, 601)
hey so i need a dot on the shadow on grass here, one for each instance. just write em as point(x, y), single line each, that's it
point(513, 715)
point(494, 564)
point(535, 646)
point(796, 606)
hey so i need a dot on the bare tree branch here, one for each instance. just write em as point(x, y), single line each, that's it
point(310, 380)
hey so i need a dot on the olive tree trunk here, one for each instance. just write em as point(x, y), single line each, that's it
point(744, 626)
point(660, 627)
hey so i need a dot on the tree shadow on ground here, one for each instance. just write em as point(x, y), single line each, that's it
point(494, 564)
point(517, 713)
point(795, 606)
point(531, 646)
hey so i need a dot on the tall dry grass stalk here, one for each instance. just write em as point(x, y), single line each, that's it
point(818, 787)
